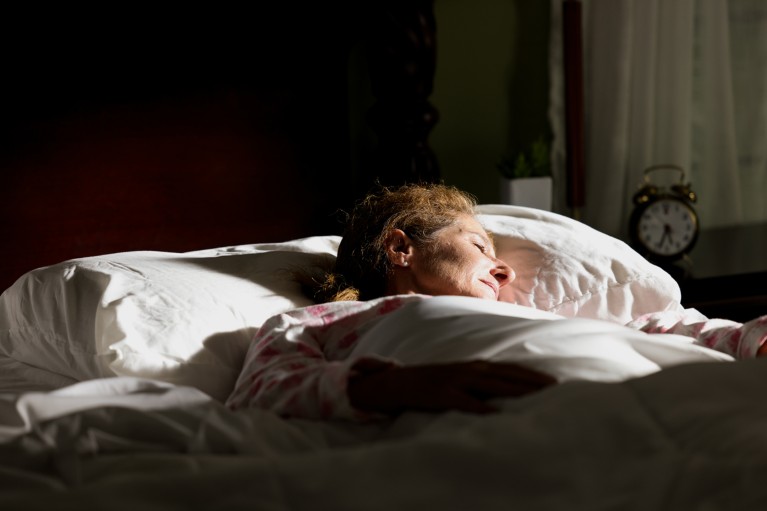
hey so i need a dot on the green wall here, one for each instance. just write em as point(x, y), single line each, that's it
point(491, 87)
point(491, 90)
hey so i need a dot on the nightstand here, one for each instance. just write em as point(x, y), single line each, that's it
point(726, 273)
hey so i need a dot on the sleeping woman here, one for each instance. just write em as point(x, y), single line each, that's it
point(401, 246)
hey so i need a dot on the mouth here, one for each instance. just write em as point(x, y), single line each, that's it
point(493, 286)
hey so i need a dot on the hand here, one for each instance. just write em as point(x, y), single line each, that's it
point(460, 386)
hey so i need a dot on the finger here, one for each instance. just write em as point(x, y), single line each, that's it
point(456, 400)
point(516, 370)
point(493, 387)
point(473, 405)
point(512, 371)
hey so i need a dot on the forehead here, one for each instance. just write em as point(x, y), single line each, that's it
point(468, 224)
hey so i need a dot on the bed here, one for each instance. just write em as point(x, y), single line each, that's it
point(158, 209)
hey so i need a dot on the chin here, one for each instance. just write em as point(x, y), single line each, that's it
point(485, 295)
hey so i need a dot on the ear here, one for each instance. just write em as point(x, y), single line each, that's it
point(399, 248)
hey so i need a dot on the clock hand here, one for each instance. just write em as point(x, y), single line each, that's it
point(668, 230)
point(666, 233)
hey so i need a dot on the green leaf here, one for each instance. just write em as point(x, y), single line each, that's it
point(521, 167)
point(539, 156)
point(535, 163)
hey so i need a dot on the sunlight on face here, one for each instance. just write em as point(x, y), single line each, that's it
point(461, 262)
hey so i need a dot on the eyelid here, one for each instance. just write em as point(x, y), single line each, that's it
point(484, 244)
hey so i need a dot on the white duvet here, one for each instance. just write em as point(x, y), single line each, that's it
point(453, 328)
point(690, 436)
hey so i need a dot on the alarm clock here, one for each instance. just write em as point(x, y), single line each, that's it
point(664, 225)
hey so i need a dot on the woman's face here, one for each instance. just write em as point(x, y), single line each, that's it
point(461, 262)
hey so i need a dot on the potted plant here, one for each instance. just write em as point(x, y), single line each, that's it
point(526, 179)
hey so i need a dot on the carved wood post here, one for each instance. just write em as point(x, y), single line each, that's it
point(402, 59)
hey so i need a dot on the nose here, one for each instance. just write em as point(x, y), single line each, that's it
point(502, 273)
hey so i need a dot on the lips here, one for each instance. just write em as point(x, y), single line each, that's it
point(492, 285)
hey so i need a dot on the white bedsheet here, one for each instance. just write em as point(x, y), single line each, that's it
point(690, 437)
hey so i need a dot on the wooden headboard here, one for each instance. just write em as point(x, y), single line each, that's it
point(178, 131)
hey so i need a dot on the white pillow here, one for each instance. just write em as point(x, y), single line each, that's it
point(188, 318)
point(566, 267)
point(183, 318)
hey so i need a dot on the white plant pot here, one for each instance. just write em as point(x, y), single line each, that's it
point(531, 192)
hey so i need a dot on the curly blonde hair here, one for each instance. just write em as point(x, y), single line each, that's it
point(361, 269)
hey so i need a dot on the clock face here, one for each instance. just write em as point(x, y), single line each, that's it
point(667, 227)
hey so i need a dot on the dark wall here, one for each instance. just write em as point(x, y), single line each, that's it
point(170, 131)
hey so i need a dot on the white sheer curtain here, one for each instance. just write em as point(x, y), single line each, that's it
point(670, 81)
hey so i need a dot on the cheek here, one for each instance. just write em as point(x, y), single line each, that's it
point(437, 263)
point(451, 265)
